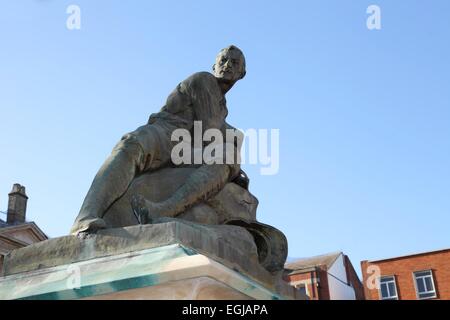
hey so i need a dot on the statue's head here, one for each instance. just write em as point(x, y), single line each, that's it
point(230, 64)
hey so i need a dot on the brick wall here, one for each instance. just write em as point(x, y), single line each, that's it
point(353, 279)
point(403, 267)
point(315, 291)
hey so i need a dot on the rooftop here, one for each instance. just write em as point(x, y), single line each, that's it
point(411, 255)
point(307, 263)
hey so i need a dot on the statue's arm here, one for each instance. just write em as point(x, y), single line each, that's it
point(208, 104)
point(178, 101)
point(238, 136)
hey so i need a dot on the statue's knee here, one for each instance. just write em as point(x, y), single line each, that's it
point(235, 170)
point(232, 158)
point(129, 146)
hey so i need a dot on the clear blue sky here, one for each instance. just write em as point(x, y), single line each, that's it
point(364, 116)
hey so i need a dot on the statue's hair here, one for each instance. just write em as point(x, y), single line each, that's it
point(234, 48)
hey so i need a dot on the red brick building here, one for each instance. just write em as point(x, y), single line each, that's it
point(326, 277)
point(418, 276)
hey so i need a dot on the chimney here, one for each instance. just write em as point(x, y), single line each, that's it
point(17, 205)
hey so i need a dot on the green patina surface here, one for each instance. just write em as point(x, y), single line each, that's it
point(98, 289)
point(112, 274)
point(140, 273)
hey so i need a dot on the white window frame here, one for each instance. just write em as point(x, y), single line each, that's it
point(395, 286)
point(302, 283)
point(415, 278)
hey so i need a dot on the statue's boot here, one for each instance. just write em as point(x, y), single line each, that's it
point(203, 183)
point(110, 183)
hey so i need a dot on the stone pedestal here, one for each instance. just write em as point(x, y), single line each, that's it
point(169, 260)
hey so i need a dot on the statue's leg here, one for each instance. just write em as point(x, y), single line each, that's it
point(203, 183)
point(127, 159)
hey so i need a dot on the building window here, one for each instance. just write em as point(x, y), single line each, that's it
point(302, 288)
point(425, 284)
point(388, 289)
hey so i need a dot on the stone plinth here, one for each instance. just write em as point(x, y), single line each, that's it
point(169, 260)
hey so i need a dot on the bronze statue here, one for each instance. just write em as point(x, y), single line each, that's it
point(139, 182)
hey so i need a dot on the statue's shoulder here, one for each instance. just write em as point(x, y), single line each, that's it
point(200, 79)
point(201, 76)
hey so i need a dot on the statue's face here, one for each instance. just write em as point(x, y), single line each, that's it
point(229, 65)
